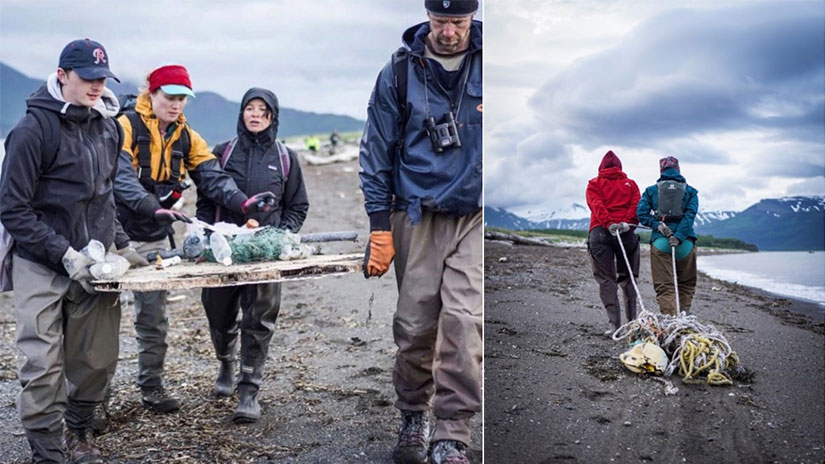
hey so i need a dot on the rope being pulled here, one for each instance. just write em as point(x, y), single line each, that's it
point(694, 348)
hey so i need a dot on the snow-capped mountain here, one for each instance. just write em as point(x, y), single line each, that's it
point(705, 218)
point(574, 211)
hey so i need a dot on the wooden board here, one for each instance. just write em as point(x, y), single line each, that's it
point(189, 275)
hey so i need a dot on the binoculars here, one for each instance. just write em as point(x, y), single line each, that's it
point(444, 135)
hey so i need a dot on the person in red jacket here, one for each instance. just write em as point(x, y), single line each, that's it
point(612, 198)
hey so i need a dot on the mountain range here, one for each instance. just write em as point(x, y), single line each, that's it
point(210, 114)
point(787, 223)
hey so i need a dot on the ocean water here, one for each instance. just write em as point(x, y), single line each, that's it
point(795, 274)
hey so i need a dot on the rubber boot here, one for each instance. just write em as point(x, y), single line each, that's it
point(249, 410)
point(225, 383)
point(226, 347)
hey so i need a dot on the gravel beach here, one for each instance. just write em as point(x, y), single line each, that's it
point(557, 393)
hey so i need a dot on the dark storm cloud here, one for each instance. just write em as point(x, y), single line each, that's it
point(689, 72)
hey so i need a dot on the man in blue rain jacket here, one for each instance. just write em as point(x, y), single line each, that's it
point(421, 177)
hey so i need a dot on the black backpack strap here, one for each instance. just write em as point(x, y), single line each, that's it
point(49, 123)
point(180, 149)
point(399, 71)
point(141, 141)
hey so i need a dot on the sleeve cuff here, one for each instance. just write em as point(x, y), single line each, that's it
point(380, 220)
point(148, 206)
point(236, 201)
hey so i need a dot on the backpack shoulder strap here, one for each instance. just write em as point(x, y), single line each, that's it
point(227, 151)
point(141, 141)
point(50, 125)
point(283, 153)
point(180, 149)
point(400, 71)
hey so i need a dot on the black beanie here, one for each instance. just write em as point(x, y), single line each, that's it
point(451, 7)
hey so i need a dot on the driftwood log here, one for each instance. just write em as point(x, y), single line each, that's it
point(514, 238)
point(188, 275)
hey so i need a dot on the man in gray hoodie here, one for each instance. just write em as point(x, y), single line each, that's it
point(56, 196)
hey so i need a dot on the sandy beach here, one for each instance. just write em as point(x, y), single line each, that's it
point(556, 391)
point(327, 395)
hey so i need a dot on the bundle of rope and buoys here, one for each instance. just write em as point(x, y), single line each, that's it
point(697, 350)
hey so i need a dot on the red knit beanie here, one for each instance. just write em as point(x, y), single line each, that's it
point(173, 74)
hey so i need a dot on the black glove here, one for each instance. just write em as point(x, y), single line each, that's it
point(168, 216)
point(260, 202)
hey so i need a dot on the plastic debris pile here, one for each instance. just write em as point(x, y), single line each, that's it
point(264, 244)
point(697, 350)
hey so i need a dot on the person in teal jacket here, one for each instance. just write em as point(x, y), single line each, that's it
point(672, 230)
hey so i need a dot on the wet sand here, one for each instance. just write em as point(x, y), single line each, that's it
point(556, 392)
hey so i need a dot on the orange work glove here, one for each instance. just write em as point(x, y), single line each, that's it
point(379, 253)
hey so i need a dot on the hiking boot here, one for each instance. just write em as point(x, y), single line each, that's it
point(248, 410)
point(157, 400)
point(81, 448)
point(449, 452)
point(225, 383)
point(413, 438)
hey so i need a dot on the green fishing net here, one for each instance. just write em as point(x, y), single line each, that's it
point(265, 244)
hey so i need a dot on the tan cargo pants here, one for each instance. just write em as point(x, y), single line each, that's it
point(438, 320)
point(661, 270)
point(70, 342)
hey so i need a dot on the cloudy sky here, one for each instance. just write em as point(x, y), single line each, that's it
point(318, 55)
point(734, 89)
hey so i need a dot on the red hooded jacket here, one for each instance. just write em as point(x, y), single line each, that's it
point(611, 196)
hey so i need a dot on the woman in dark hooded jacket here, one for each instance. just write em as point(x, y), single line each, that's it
point(257, 162)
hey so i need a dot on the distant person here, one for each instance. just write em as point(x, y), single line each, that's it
point(334, 141)
point(161, 147)
point(669, 208)
point(255, 146)
point(56, 195)
point(612, 198)
point(313, 144)
point(421, 178)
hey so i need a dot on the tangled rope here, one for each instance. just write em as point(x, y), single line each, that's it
point(694, 348)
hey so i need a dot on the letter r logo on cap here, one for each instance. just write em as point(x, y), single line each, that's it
point(99, 55)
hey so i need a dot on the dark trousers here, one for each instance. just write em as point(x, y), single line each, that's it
point(260, 304)
point(611, 272)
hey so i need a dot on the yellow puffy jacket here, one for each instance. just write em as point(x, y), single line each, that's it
point(162, 164)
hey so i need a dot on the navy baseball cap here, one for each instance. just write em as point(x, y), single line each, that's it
point(87, 58)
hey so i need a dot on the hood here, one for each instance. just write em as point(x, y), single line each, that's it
point(671, 174)
point(610, 160)
point(414, 38)
point(269, 135)
point(143, 106)
point(50, 97)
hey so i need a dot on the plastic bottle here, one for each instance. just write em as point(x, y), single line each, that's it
point(95, 250)
point(113, 267)
point(220, 248)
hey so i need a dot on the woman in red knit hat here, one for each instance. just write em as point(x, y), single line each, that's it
point(161, 148)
